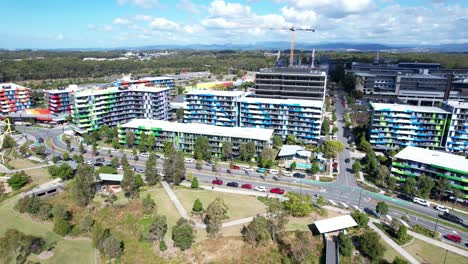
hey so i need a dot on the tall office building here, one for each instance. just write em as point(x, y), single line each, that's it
point(93, 108)
point(14, 97)
point(457, 137)
point(291, 83)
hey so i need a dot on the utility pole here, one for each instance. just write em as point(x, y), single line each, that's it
point(359, 203)
point(437, 222)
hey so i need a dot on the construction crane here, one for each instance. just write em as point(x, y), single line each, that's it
point(293, 29)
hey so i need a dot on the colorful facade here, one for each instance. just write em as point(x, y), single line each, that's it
point(14, 98)
point(414, 162)
point(93, 108)
point(58, 101)
point(457, 137)
point(156, 82)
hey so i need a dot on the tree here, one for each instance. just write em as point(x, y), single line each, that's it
point(227, 150)
point(291, 140)
point(399, 260)
point(174, 166)
point(142, 147)
point(86, 223)
point(381, 208)
point(67, 142)
point(81, 147)
point(197, 206)
point(158, 228)
point(8, 142)
point(345, 244)
point(62, 226)
point(267, 156)
point(256, 232)
point(40, 150)
point(216, 212)
point(402, 233)
point(148, 204)
point(199, 162)
point(65, 156)
point(442, 186)
point(180, 113)
point(293, 166)
point(331, 148)
point(112, 247)
point(15, 247)
point(425, 185)
point(78, 158)
point(315, 167)
point(64, 171)
point(202, 148)
point(94, 149)
point(370, 245)
point(129, 184)
point(179, 169)
point(409, 186)
point(361, 218)
point(151, 171)
point(151, 141)
point(194, 184)
point(357, 167)
point(277, 142)
point(131, 139)
point(277, 217)
point(24, 149)
point(83, 187)
point(325, 127)
point(18, 180)
point(115, 162)
point(298, 205)
point(243, 151)
point(183, 234)
point(124, 161)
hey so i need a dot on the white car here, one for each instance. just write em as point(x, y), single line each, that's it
point(89, 162)
point(114, 150)
point(421, 201)
point(273, 172)
point(140, 170)
point(144, 154)
point(442, 208)
point(260, 188)
point(120, 167)
point(247, 168)
point(188, 160)
point(287, 174)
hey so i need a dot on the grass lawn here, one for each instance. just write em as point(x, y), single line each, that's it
point(66, 251)
point(390, 253)
point(21, 163)
point(39, 176)
point(240, 206)
point(428, 253)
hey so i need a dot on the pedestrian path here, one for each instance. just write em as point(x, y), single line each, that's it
point(441, 244)
point(392, 243)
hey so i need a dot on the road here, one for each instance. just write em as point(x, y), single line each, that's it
point(336, 192)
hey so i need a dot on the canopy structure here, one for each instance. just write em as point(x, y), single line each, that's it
point(335, 224)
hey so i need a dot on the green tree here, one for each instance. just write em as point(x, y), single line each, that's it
point(18, 180)
point(151, 141)
point(357, 167)
point(124, 161)
point(67, 142)
point(194, 184)
point(86, 224)
point(293, 165)
point(442, 186)
point(425, 185)
point(370, 245)
point(315, 167)
point(130, 138)
point(151, 171)
point(345, 244)
point(361, 218)
point(40, 150)
point(298, 205)
point(24, 149)
point(202, 148)
point(291, 140)
point(81, 147)
point(83, 187)
point(8, 142)
point(158, 228)
point(148, 204)
point(112, 247)
point(381, 208)
point(142, 147)
point(227, 150)
point(325, 127)
point(180, 113)
point(15, 247)
point(331, 148)
point(402, 233)
point(256, 232)
point(183, 234)
point(216, 212)
point(267, 155)
point(115, 162)
point(277, 142)
point(399, 260)
point(61, 226)
point(197, 206)
point(64, 171)
point(277, 217)
point(129, 184)
point(409, 186)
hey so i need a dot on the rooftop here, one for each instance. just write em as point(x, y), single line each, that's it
point(423, 76)
point(110, 177)
point(293, 71)
point(407, 108)
point(202, 129)
point(289, 150)
point(458, 104)
point(335, 224)
point(217, 93)
point(138, 88)
point(433, 157)
point(292, 102)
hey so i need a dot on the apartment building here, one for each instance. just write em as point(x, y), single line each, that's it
point(93, 108)
point(301, 118)
point(414, 162)
point(291, 83)
point(156, 82)
point(457, 136)
point(395, 126)
point(58, 101)
point(213, 107)
point(183, 136)
point(14, 98)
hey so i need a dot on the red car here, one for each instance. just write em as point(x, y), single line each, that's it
point(246, 186)
point(277, 190)
point(217, 182)
point(454, 238)
point(235, 167)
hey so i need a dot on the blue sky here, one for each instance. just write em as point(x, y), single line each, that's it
point(117, 23)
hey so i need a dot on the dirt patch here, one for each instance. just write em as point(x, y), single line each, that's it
point(45, 255)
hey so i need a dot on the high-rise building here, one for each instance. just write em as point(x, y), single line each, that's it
point(183, 136)
point(58, 101)
point(299, 118)
point(414, 162)
point(14, 97)
point(457, 137)
point(291, 83)
point(156, 82)
point(93, 108)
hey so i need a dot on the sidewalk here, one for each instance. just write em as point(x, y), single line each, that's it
point(443, 245)
point(392, 243)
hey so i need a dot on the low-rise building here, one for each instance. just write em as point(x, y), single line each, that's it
point(414, 162)
point(183, 136)
point(13, 98)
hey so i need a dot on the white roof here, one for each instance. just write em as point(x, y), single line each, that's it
point(433, 157)
point(202, 129)
point(457, 104)
point(289, 150)
point(407, 108)
point(335, 224)
point(110, 177)
point(159, 78)
point(217, 93)
point(138, 88)
point(291, 102)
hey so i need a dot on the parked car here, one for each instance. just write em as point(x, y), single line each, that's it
point(157, 156)
point(140, 170)
point(188, 161)
point(287, 174)
point(275, 178)
point(246, 186)
point(453, 237)
point(260, 188)
point(217, 182)
point(299, 175)
point(277, 190)
point(347, 160)
point(452, 218)
point(89, 162)
point(441, 208)
point(274, 172)
point(235, 167)
point(233, 184)
point(135, 158)
point(228, 171)
point(144, 154)
point(114, 150)
point(421, 201)
point(98, 164)
point(100, 160)
point(261, 170)
point(120, 167)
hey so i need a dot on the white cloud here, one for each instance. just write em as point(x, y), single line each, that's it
point(333, 8)
point(160, 23)
point(140, 3)
point(189, 6)
point(219, 8)
point(143, 18)
point(121, 21)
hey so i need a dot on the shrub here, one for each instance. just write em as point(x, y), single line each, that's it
point(162, 245)
point(194, 184)
point(425, 231)
point(326, 179)
point(61, 226)
point(197, 206)
point(18, 180)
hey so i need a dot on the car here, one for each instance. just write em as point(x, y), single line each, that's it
point(275, 178)
point(277, 190)
point(100, 160)
point(274, 172)
point(452, 218)
point(157, 156)
point(58, 157)
point(98, 164)
point(114, 150)
point(453, 237)
point(441, 208)
point(299, 175)
point(217, 182)
point(287, 174)
point(248, 169)
point(260, 188)
point(421, 201)
point(261, 170)
point(188, 161)
point(144, 154)
point(140, 170)
point(347, 160)
point(135, 158)
point(209, 163)
point(133, 168)
point(246, 186)
point(235, 167)
point(89, 162)
point(232, 184)
point(120, 167)
point(228, 171)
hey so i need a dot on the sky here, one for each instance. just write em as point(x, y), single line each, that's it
point(50, 24)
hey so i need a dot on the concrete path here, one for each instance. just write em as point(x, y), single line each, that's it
point(175, 200)
point(392, 243)
point(441, 244)
point(6, 170)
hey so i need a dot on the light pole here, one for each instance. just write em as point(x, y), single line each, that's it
point(437, 222)
point(359, 203)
